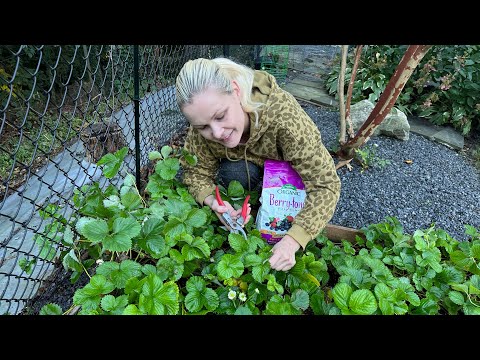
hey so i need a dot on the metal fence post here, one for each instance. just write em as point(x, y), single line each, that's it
point(136, 102)
point(226, 50)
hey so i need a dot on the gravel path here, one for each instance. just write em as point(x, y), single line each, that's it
point(439, 187)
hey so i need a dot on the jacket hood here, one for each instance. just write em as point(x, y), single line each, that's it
point(264, 90)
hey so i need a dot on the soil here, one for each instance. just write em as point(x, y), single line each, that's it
point(471, 148)
point(57, 289)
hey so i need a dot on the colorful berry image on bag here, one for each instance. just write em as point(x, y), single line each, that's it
point(283, 196)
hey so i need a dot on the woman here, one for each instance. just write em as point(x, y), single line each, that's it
point(238, 118)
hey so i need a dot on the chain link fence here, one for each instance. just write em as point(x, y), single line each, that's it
point(61, 109)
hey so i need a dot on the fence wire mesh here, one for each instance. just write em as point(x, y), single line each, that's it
point(61, 109)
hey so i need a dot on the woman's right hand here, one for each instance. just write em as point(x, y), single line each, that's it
point(219, 210)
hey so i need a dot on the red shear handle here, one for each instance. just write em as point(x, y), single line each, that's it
point(245, 208)
point(219, 198)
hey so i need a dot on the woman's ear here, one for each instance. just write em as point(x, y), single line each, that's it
point(236, 88)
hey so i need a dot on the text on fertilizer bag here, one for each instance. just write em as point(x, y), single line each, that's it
point(286, 203)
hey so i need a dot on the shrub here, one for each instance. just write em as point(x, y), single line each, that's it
point(444, 88)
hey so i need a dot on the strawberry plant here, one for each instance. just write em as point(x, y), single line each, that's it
point(161, 253)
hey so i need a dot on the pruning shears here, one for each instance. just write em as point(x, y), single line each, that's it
point(235, 226)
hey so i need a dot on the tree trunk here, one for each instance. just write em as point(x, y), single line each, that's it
point(341, 89)
point(404, 70)
point(348, 119)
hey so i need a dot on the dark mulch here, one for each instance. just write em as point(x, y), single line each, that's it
point(58, 289)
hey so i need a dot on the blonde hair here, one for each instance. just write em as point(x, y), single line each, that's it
point(200, 74)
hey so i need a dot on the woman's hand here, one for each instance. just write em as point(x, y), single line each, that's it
point(211, 202)
point(283, 257)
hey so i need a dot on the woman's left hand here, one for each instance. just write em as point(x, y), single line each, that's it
point(237, 214)
point(283, 257)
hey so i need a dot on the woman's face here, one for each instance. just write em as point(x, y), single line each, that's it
point(218, 117)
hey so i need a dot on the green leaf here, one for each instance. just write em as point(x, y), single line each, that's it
point(168, 168)
point(47, 248)
point(212, 300)
point(132, 310)
point(133, 286)
point(99, 285)
point(420, 243)
point(382, 291)
point(157, 187)
point(400, 308)
point(111, 165)
point(277, 306)
point(461, 259)
point(166, 151)
point(154, 155)
point(475, 251)
point(195, 284)
point(124, 229)
point(131, 201)
point(193, 301)
point(427, 306)
point(157, 298)
point(177, 208)
point(470, 309)
point(68, 235)
point(456, 297)
point(151, 238)
point(169, 269)
point(72, 263)
point(243, 310)
point(200, 244)
point(94, 230)
point(475, 281)
point(260, 272)
point(362, 302)
point(199, 296)
point(129, 181)
point(148, 269)
point(119, 273)
point(156, 210)
point(273, 285)
point(174, 228)
point(51, 309)
point(229, 266)
point(469, 229)
point(237, 242)
point(114, 305)
point(191, 159)
point(235, 189)
point(189, 253)
point(176, 255)
point(112, 162)
point(300, 299)
point(196, 218)
point(113, 201)
point(252, 260)
point(89, 296)
point(86, 301)
point(386, 307)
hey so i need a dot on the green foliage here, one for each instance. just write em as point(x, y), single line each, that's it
point(162, 254)
point(368, 158)
point(444, 88)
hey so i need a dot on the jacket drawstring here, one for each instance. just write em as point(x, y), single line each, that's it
point(246, 164)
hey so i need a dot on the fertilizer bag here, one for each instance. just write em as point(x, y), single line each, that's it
point(283, 196)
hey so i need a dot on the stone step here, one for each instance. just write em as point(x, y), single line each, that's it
point(311, 94)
